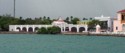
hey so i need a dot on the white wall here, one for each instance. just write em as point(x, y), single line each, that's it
point(108, 19)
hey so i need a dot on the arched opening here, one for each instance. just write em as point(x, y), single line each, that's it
point(73, 29)
point(30, 29)
point(24, 29)
point(63, 28)
point(67, 29)
point(81, 29)
point(18, 28)
point(123, 27)
point(36, 28)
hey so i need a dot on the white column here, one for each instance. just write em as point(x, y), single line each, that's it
point(77, 28)
point(27, 28)
point(33, 28)
point(86, 28)
point(21, 28)
point(98, 28)
point(64, 28)
point(61, 28)
point(14, 28)
point(109, 23)
point(70, 28)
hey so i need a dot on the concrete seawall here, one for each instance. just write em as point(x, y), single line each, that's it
point(119, 34)
point(96, 34)
point(5, 32)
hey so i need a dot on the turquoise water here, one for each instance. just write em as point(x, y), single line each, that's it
point(32, 43)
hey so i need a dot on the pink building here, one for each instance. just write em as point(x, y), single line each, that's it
point(119, 23)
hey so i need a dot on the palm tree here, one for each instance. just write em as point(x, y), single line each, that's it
point(84, 18)
point(44, 18)
point(48, 18)
point(20, 18)
point(71, 17)
point(67, 19)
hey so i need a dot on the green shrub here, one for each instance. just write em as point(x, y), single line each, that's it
point(49, 30)
point(42, 30)
point(54, 30)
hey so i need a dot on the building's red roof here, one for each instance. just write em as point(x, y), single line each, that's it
point(121, 11)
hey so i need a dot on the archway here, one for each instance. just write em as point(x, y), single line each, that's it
point(18, 28)
point(81, 29)
point(67, 29)
point(36, 28)
point(30, 29)
point(73, 29)
point(24, 29)
point(123, 27)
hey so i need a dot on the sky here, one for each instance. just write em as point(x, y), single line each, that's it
point(63, 8)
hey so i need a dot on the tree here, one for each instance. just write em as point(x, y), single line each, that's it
point(42, 30)
point(21, 22)
point(67, 20)
point(0, 17)
point(74, 21)
point(90, 18)
point(48, 18)
point(71, 17)
point(54, 30)
point(29, 21)
point(49, 30)
point(20, 18)
point(92, 24)
point(44, 18)
point(5, 21)
point(103, 24)
point(84, 18)
point(54, 19)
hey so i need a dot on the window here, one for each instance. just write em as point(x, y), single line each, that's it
point(123, 17)
point(116, 28)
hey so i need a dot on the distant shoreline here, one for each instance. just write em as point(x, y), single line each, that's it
point(70, 33)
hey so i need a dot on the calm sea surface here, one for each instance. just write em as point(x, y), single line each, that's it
point(33, 43)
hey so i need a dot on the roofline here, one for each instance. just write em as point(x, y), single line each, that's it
point(121, 11)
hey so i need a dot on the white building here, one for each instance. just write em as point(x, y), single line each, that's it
point(63, 25)
point(108, 20)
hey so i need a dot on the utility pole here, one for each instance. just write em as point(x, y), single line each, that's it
point(14, 10)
